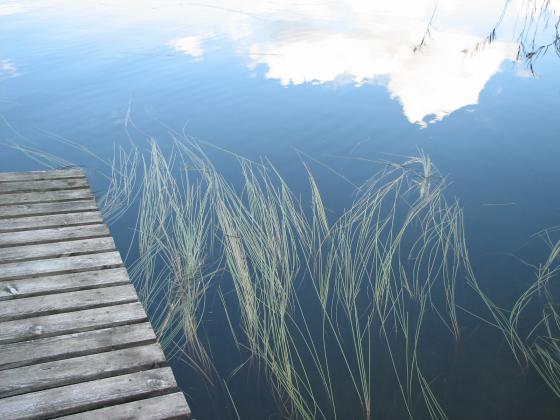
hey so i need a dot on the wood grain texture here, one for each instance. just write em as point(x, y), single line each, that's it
point(41, 175)
point(66, 323)
point(42, 185)
point(167, 407)
point(11, 271)
point(66, 302)
point(72, 345)
point(49, 221)
point(53, 235)
point(79, 369)
point(45, 285)
point(74, 339)
point(41, 209)
point(45, 196)
point(88, 395)
point(56, 249)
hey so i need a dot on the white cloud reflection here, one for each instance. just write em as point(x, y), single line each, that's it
point(12, 8)
point(325, 41)
point(190, 45)
point(444, 79)
point(374, 43)
point(8, 69)
point(436, 81)
point(363, 42)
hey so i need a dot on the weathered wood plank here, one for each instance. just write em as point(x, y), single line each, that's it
point(79, 369)
point(73, 345)
point(41, 175)
point(56, 249)
point(45, 196)
point(73, 336)
point(49, 221)
point(168, 407)
point(45, 285)
point(88, 395)
point(66, 302)
point(43, 185)
point(70, 322)
point(53, 235)
point(42, 209)
point(12, 271)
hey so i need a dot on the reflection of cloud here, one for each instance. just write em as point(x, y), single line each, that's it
point(8, 69)
point(436, 81)
point(443, 79)
point(351, 41)
point(11, 9)
point(190, 45)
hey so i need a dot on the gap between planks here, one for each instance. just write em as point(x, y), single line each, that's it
point(57, 249)
point(44, 209)
point(42, 175)
point(46, 196)
point(90, 395)
point(43, 185)
point(50, 235)
point(66, 302)
point(50, 221)
point(170, 406)
point(71, 322)
point(80, 369)
point(62, 265)
point(41, 350)
point(46, 285)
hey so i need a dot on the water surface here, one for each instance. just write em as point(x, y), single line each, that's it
point(339, 81)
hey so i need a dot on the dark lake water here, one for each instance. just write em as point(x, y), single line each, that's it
point(338, 81)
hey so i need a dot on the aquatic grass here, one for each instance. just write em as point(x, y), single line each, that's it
point(174, 237)
point(321, 297)
point(121, 190)
point(266, 234)
point(369, 273)
point(535, 341)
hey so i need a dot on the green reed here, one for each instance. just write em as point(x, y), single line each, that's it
point(320, 296)
point(370, 274)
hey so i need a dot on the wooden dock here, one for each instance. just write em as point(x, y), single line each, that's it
point(75, 341)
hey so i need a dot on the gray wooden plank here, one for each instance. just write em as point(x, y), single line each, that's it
point(44, 285)
point(16, 270)
point(40, 175)
point(73, 336)
point(168, 407)
point(45, 196)
point(79, 369)
point(66, 302)
point(40, 209)
point(70, 322)
point(43, 185)
point(53, 235)
point(73, 345)
point(56, 249)
point(88, 395)
point(49, 221)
